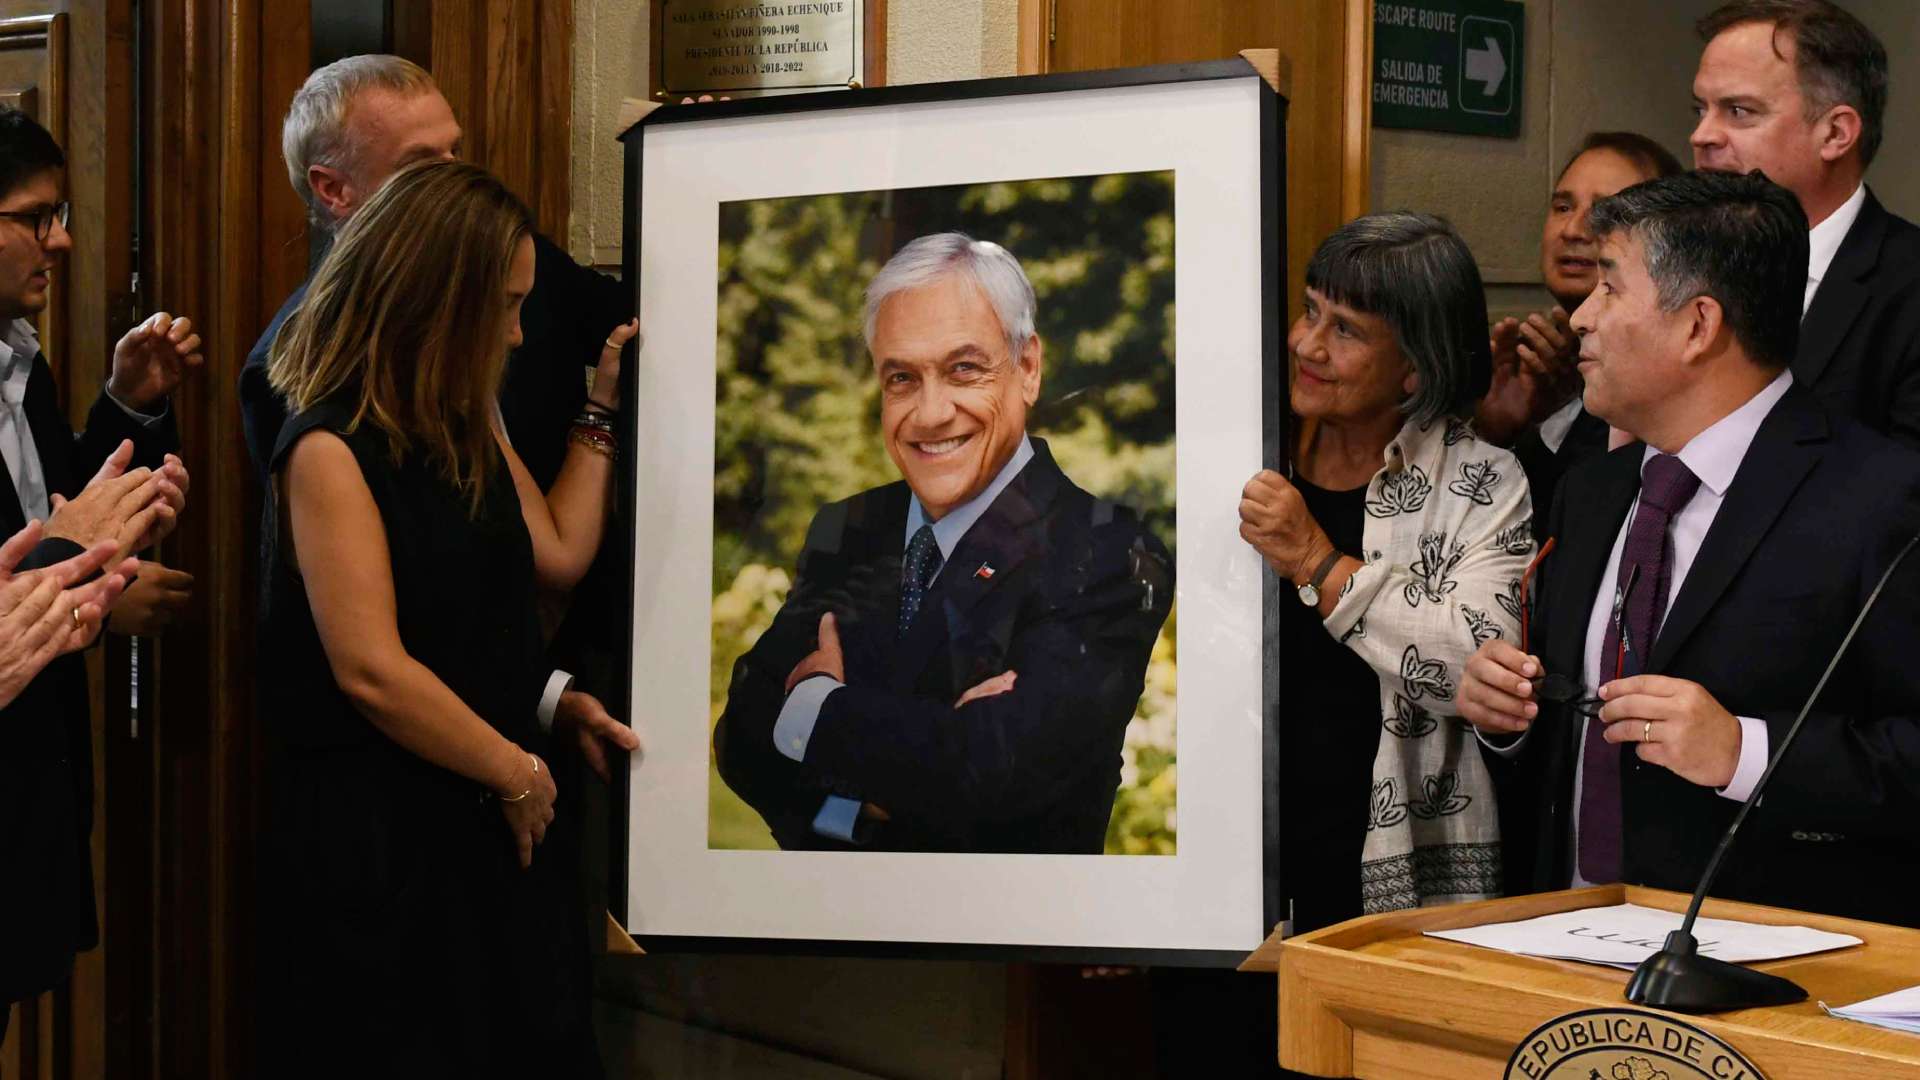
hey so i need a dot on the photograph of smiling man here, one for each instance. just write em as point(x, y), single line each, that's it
point(944, 470)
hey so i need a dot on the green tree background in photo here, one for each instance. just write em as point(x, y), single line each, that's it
point(798, 407)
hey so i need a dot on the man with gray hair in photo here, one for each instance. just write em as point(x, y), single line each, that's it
point(962, 650)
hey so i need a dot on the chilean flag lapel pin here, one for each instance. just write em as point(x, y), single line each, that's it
point(985, 573)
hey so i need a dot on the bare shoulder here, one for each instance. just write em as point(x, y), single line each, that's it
point(322, 473)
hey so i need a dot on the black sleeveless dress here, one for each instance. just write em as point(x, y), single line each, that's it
point(398, 930)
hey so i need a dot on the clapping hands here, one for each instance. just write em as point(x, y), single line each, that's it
point(46, 612)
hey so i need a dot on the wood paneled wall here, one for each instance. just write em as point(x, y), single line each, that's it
point(1329, 114)
point(223, 240)
point(506, 67)
point(67, 52)
point(225, 244)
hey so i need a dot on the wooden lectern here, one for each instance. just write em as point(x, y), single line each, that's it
point(1374, 997)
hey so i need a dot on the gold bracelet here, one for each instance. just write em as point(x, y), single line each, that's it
point(529, 791)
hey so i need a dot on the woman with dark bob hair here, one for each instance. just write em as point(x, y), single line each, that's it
point(1405, 537)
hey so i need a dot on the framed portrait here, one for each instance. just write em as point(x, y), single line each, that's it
point(943, 637)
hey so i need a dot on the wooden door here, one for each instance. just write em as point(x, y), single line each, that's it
point(1329, 115)
point(65, 62)
point(506, 67)
point(225, 242)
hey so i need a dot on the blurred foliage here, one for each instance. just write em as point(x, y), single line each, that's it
point(797, 404)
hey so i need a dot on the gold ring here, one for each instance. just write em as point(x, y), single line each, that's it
point(74, 614)
point(1646, 733)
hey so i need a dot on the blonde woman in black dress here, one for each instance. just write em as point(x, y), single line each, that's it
point(402, 661)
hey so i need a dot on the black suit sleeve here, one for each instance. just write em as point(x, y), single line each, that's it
point(1081, 660)
point(107, 425)
point(53, 549)
point(262, 411)
point(743, 736)
point(565, 321)
point(1855, 767)
point(1903, 409)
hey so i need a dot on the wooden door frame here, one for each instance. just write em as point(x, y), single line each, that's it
point(224, 242)
point(506, 68)
point(1356, 190)
point(1034, 20)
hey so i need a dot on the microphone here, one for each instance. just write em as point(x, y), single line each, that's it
point(1677, 977)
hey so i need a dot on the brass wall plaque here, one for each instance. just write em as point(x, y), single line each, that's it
point(1625, 1044)
point(736, 48)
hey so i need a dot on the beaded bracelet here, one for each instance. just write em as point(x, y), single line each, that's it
point(599, 442)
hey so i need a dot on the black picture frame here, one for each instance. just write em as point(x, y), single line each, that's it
point(1274, 426)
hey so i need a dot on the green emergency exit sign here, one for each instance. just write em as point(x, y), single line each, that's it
point(1449, 65)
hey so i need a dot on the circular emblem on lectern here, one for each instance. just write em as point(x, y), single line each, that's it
point(1625, 1044)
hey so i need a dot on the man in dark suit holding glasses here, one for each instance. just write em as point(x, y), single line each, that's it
point(1702, 579)
point(962, 651)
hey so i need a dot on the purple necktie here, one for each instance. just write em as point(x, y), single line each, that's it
point(1646, 577)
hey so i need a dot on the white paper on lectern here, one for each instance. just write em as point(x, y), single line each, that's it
point(1899, 1010)
point(1625, 934)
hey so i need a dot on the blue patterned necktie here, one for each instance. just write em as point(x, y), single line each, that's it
point(922, 562)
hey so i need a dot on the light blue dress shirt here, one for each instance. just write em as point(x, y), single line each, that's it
point(794, 727)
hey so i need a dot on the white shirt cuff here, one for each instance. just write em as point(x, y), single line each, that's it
point(1513, 741)
point(143, 419)
point(1753, 759)
point(793, 729)
point(557, 683)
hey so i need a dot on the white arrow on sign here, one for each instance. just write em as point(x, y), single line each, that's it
point(1487, 66)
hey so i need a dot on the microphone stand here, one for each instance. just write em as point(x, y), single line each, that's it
point(1678, 977)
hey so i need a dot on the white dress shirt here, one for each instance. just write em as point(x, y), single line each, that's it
point(1823, 243)
point(1554, 429)
point(18, 346)
point(1714, 456)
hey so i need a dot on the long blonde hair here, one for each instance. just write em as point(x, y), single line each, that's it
point(406, 318)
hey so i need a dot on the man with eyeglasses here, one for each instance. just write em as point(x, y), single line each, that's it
point(1701, 579)
point(46, 777)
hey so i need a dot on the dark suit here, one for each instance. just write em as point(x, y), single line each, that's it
point(1860, 340)
point(46, 744)
point(1814, 515)
point(1586, 439)
point(1073, 599)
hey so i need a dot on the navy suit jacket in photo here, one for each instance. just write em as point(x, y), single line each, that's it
point(1067, 590)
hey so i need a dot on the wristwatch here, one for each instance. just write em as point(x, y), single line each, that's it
point(1310, 592)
